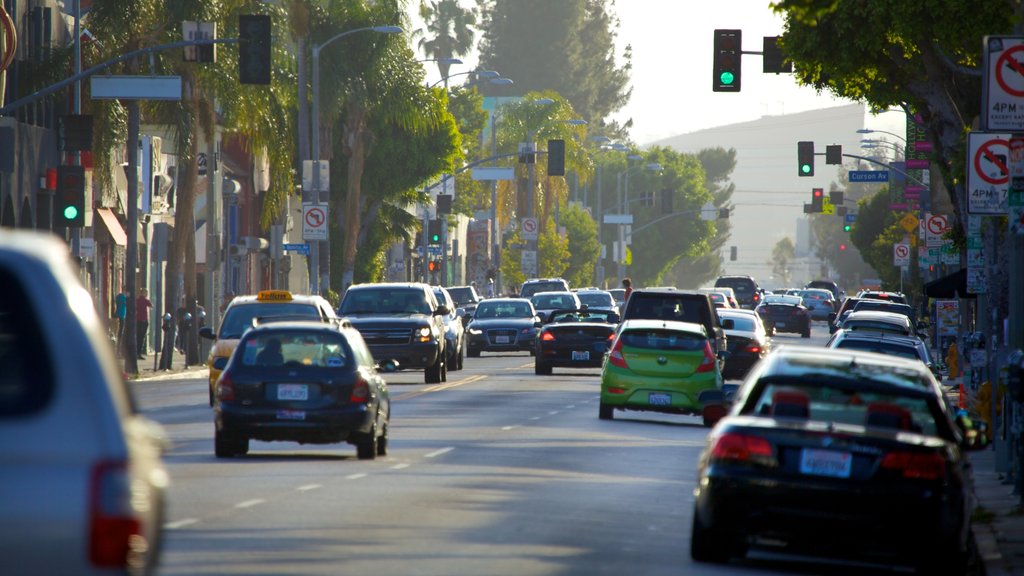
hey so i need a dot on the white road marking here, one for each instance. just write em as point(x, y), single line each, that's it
point(510, 427)
point(400, 466)
point(308, 487)
point(553, 412)
point(180, 523)
point(250, 503)
point(437, 453)
point(355, 476)
point(571, 406)
point(535, 418)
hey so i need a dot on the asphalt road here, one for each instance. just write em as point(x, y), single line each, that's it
point(495, 472)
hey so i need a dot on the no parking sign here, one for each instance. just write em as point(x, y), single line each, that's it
point(988, 173)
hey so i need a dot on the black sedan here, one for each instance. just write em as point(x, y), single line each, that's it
point(303, 382)
point(785, 314)
point(839, 455)
point(748, 342)
point(574, 339)
point(502, 325)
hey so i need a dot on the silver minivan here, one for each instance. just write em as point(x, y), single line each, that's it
point(81, 472)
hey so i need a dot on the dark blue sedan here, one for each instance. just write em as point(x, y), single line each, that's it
point(502, 325)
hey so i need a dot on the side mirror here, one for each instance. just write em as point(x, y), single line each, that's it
point(460, 311)
point(728, 324)
point(207, 332)
point(442, 310)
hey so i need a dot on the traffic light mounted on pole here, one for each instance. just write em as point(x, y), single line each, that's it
point(817, 200)
point(556, 157)
point(727, 59)
point(434, 232)
point(805, 158)
point(254, 49)
point(69, 201)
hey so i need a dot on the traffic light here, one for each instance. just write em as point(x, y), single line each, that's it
point(834, 154)
point(444, 203)
point(727, 58)
point(842, 247)
point(254, 49)
point(847, 227)
point(433, 266)
point(817, 200)
point(805, 158)
point(774, 62)
point(434, 232)
point(69, 201)
point(836, 197)
point(556, 157)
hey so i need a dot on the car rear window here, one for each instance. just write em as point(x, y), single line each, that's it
point(667, 307)
point(26, 377)
point(659, 339)
point(739, 323)
point(880, 347)
point(531, 288)
point(739, 285)
point(315, 349)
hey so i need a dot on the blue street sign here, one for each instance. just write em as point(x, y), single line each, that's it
point(868, 175)
point(851, 218)
point(299, 248)
point(432, 250)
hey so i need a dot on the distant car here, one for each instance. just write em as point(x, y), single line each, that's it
point(597, 299)
point(574, 339)
point(662, 366)
point(466, 298)
point(748, 342)
point(785, 314)
point(502, 325)
point(748, 293)
point(83, 478)
point(886, 306)
point(897, 297)
point(718, 296)
point(302, 382)
point(830, 285)
point(910, 347)
point(454, 330)
point(818, 302)
point(619, 294)
point(546, 302)
point(842, 455)
point(534, 285)
point(876, 321)
point(845, 307)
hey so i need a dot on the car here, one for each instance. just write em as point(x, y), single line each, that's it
point(301, 381)
point(718, 297)
point(897, 297)
point(454, 330)
point(574, 338)
point(245, 311)
point(910, 347)
point(875, 321)
point(662, 366)
point(534, 285)
point(748, 293)
point(402, 323)
point(502, 325)
point(597, 299)
point(838, 454)
point(546, 302)
point(679, 306)
point(887, 306)
point(785, 314)
point(84, 481)
point(748, 342)
point(818, 302)
point(619, 294)
point(834, 320)
point(830, 285)
point(466, 298)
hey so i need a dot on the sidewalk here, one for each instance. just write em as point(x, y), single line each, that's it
point(999, 519)
point(147, 372)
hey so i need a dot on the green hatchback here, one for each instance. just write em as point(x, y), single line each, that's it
point(662, 366)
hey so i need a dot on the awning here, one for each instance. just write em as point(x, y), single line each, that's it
point(950, 286)
point(113, 226)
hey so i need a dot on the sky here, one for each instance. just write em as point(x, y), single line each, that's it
point(672, 58)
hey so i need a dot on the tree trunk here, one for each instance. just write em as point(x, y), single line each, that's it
point(355, 149)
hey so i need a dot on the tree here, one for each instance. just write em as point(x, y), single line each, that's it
point(584, 250)
point(567, 47)
point(874, 234)
point(552, 252)
point(783, 255)
point(718, 164)
point(449, 32)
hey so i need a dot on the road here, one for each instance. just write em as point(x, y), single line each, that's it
point(495, 472)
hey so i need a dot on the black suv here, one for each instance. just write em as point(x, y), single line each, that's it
point(401, 323)
point(669, 304)
point(748, 294)
point(534, 285)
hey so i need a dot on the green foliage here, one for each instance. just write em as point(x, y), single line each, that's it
point(718, 164)
point(876, 231)
point(449, 31)
point(581, 234)
point(783, 255)
point(553, 252)
point(511, 264)
point(466, 105)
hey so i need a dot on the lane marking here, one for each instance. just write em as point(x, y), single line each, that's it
point(571, 406)
point(552, 413)
point(308, 487)
point(355, 476)
point(400, 466)
point(535, 418)
point(250, 503)
point(440, 387)
point(510, 427)
point(437, 453)
point(180, 523)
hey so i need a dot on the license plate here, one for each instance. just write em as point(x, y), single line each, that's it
point(293, 392)
point(291, 414)
point(501, 340)
point(584, 355)
point(780, 324)
point(656, 399)
point(825, 463)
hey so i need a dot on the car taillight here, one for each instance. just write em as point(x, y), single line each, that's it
point(547, 336)
point(360, 391)
point(742, 448)
point(930, 466)
point(616, 357)
point(709, 361)
point(611, 337)
point(753, 348)
point(225, 388)
point(115, 530)
point(757, 298)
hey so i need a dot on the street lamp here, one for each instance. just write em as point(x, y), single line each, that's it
point(499, 80)
point(480, 74)
point(872, 131)
point(314, 257)
point(869, 143)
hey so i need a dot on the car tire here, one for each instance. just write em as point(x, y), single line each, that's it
point(460, 359)
point(226, 445)
point(473, 353)
point(366, 445)
point(432, 374)
point(541, 369)
point(806, 333)
point(707, 545)
point(382, 442)
point(605, 412)
point(444, 371)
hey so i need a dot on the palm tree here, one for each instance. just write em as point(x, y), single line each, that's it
point(451, 30)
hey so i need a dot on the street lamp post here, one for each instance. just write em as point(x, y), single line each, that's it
point(872, 131)
point(480, 74)
point(495, 235)
point(316, 283)
point(624, 238)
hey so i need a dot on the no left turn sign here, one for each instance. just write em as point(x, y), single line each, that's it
point(1003, 83)
point(314, 221)
point(988, 174)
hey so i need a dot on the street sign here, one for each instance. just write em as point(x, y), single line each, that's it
point(309, 170)
point(528, 261)
point(1003, 83)
point(851, 218)
point(901, 255)
point(868, 175)
point(297, 248)
point(988, 173)
point(135, 87)
point(935, 226)
point(528, 227)
point(314, 221)
point(493, 173)
point(618, 218)
point(909, 222)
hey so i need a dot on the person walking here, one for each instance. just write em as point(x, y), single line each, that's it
point(120, 313)
point(142, 307)
point(627, 283)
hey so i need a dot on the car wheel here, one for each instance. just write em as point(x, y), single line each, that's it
point(806, 333)
point(460, 360)
point(707, 545)
point(473, 353)
point(382, 442)
point(541, 368)
point(605, 412)
point(226, 445)
point(366, 445)
point(432, 374)
point(444, 371)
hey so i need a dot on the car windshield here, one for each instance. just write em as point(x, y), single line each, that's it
point(239, 317)
point(385, 301)
point(532, 288)
point(659, 339)
point(596, 299)
point(315, 349)
point(503, 310)
point(461, 295)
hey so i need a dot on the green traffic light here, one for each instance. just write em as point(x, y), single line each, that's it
point(846, 228)
point(727, 78)
point(805, 168)
point(70, 212)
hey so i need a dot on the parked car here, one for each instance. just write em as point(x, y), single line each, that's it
point(785, 314)
point(839, 454)
point(83, 478)
point(748, 342)
point(402, 323)
point(910, 347)
point(305, 382)
point(575, 338)
point(887, 306)
point(534, 285)
point(544, 303)
point(662, 366)
point(454, 330)
point(245, 311)
point(678, 306)
point(748, 293)
point(897, 297)
point(502, 325)
point(834, 320)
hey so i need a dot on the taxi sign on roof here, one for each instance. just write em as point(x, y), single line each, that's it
point(274, 296)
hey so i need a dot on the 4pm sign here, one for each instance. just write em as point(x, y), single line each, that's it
point(1003, 83)
point(988, 172)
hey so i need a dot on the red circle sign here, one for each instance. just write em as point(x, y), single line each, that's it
point(987, 151)
point(1006, 61)
point(529, 225)
point(902, 251)
point(937, 224)
point(315, 217)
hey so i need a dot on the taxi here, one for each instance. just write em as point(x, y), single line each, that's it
point(244, 312)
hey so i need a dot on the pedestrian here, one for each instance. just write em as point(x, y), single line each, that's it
point(627, 283)
point(120, 313)
point(142, 307)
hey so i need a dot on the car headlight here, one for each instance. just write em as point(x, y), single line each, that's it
point(424, 334)
point(475, 331)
